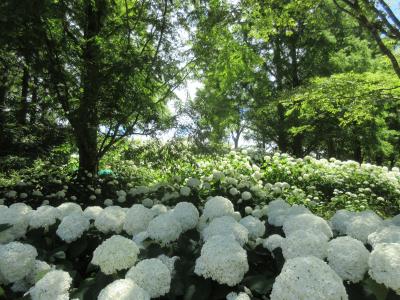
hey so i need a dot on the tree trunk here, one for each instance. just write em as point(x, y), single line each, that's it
point(88, 123)
point(34, 103)
point(23, 105)
point(3, 96)
point(297, 146)
point(331, 147)
point(357, 153)
point(281, 124)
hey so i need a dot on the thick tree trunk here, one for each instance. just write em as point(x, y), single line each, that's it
point(86, 133)
point(3, 96)
point(34, 103)
point(281, 124)
point(23, 105)
point(282, 134)
point(331, 147)
point(297, 144)
point(357, 152)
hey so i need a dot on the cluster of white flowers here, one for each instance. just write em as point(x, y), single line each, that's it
point(273, 241)
point(69, 208)
point(123, 289)
point(305, 243)
point(110, 219)
point(217, 206)
point(16, 261)
point(151, 275)
point(72, 227)
point(348, 258)
point(362, 224)
point(235, 296)
point(186, 214)
point(44, 216)
point(222, 259)
point(340, 220)
point(39, 269)
point(164, 228)
point(91, 212)
point(137, 219)
point(226, 225)
point(54, 285)
point(307, 222)
point(17, 215)
point(114, 254)
point(255, 227)
point(388, 234)
point(384, 265)
point(308, 278)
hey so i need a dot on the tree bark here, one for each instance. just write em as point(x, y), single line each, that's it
point(23, 105)
point(87, 121)
point(281, 124)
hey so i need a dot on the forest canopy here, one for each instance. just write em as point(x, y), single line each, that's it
point(316, 77)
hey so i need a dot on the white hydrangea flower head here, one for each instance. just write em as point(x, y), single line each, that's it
point(363, 224)
point(295, 210)
point(18, 217)
point(193, 183)
point(110, 219)
point(384, 265)
point(305, 243)
point(20, 286)
point(237, 216)
point(147, 202)
point(108, 202)
point(388, 234)
point(69, 208)
point(307, 222)
point(396, 220)
point(140, 238)
point(44, 216)
point(137, 219)
point(39, 269)
point(273, 241)
point(151, 275)
point(223, 260)
point(186, 214)
point(235, 296)
point(169, 262)
point(115, 253)
point(233, 191)
point(91, 212)
point(308, 278)
point(164, 229)
point(255, 227)
point(348, 257)
point(277, 216)
point(185, 191)
point(123, 289)
point(16, 260)
point(218, 206)
point(139, 190)
point(72, 227)
point(248, 210)
point(159, 209)
point(53, 286)
point(277, 204)
point(246, 196)
point(340, 220)
point(226, 225)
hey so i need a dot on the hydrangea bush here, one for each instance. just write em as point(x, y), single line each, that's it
point(235, 227)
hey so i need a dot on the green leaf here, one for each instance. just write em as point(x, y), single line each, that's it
point(378, 290)
point(260, 284)
point(198, 289)
point(4, 227)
